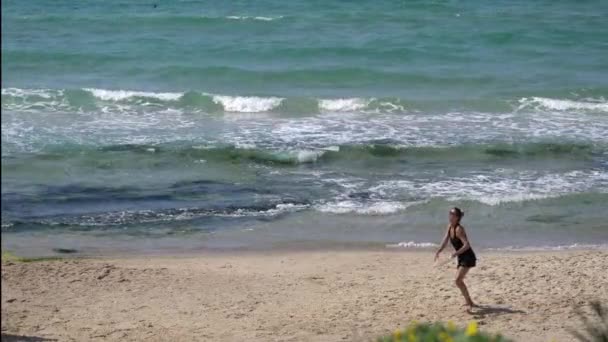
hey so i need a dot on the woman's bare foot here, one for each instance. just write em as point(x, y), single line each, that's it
point(470, 308)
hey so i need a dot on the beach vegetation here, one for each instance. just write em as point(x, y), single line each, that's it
point(595, 324)
point(438, 332)
point(8, 256)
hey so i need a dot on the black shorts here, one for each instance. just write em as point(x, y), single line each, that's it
point(467, 260)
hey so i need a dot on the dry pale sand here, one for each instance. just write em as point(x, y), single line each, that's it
point(293, 296)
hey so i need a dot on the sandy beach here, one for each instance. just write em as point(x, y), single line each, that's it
point(349, 295)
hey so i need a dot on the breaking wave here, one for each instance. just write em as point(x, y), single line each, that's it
point(130, 100)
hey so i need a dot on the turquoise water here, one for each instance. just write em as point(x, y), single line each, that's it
point(163, 125)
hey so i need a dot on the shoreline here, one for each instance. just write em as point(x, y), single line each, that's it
point(298, 295)
point(89, 250)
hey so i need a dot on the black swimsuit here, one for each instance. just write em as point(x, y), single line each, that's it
point(466, 259)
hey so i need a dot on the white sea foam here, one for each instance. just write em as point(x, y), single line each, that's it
point(343, 105)
point(181, 214)
point(563, 105)
point(247, 104)
point(7, 225)
point(279, 209)
point(373, 208)
point(18, 92)
point(132, 122)
point(574, 246)
point(268, 18)
point(295, 157)
point(391, 107)
point(261, 18)
point(34, 100)
point(308, 156)
point(118, 95)
point(332, 148)
point(412, 244)
point(243, 145)
point(496, 189)
point(494, 200)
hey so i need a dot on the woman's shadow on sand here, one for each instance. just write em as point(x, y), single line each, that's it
point(494, 310)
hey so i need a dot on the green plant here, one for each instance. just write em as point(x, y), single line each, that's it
point(8, 256)
point(438, 332)
point(595, 325)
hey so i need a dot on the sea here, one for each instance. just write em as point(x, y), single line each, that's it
point(152, 126)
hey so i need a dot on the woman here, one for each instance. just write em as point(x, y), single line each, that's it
point(466, 257)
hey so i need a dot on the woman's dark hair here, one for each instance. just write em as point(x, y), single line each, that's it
point(456, 211)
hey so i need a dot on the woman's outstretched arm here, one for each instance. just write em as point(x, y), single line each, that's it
point(443, 243)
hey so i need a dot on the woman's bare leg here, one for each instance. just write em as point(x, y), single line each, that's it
point(460, 274)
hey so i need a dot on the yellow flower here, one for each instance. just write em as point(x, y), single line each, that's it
point(397, 334)
point(472, 329)
point(411, 332)
point(444, 337)
point(451, 326)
